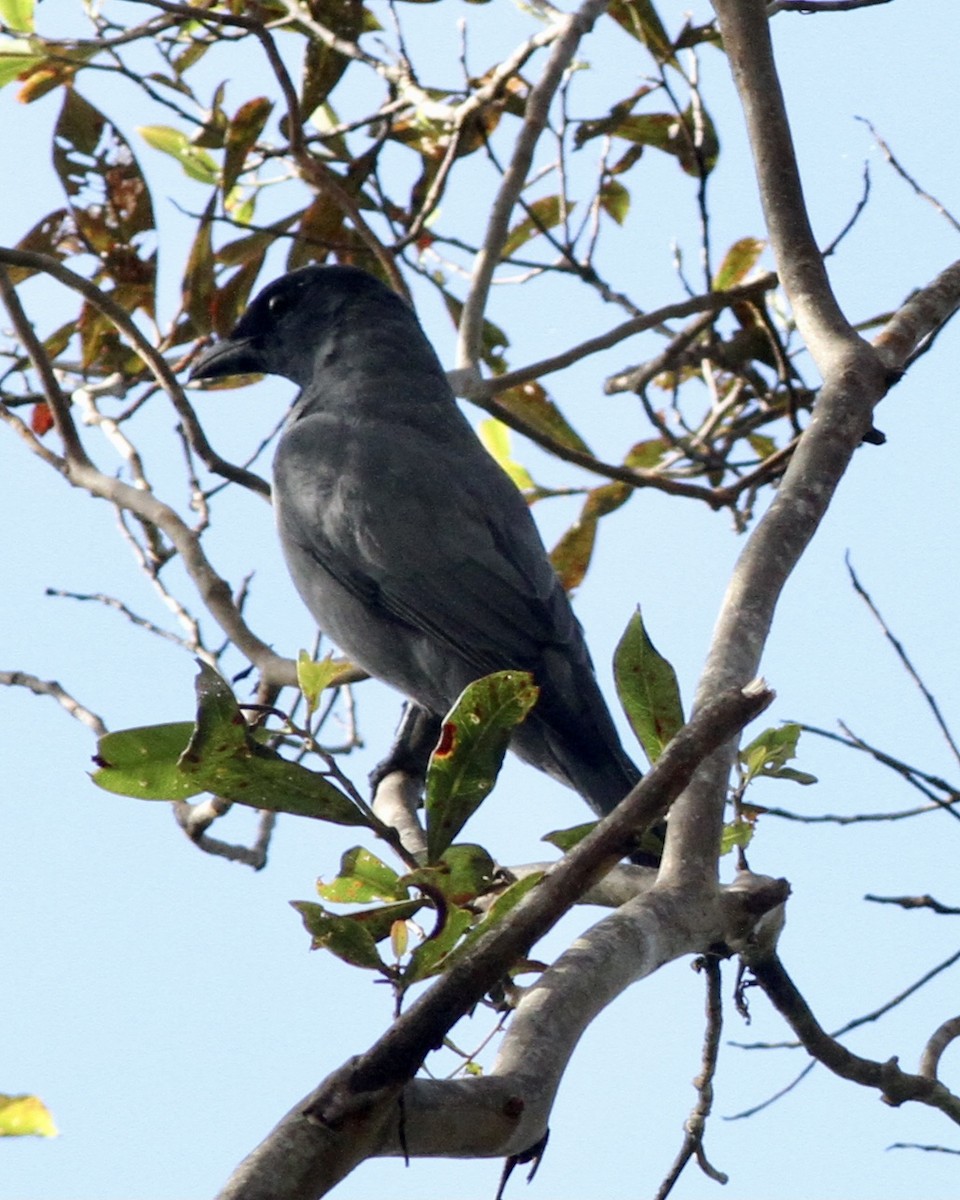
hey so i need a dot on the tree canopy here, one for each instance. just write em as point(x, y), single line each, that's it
point(598, 213)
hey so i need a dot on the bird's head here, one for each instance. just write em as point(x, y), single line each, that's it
point(286, 326)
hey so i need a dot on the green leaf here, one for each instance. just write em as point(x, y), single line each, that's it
point(639, 18)
point(496, 439)
point(542, 214)
point(313, 677)
point(112, 211)
point(362, 878)
point(762, 445)
point(242, 133)
point(194, 160)
point(55, 234)
point(736, 833)
point(323, 65)
point(17, 15)
point(473, 741)
point(464, 872)
point(648, 689)
point(644, 456)
point(615, 200)
point(669, 132)
point(23, 1116)
point(217, 754)
point(801, 777)
point(566, 839)
point(429, 956)
point(198, 285)
point(143, 762)
point(770, 751)
point(347, 938)
point(16, 58)
point(530, 402)
point(224, 759)
point(738, 262)
point(572, 554)
point(505, 903)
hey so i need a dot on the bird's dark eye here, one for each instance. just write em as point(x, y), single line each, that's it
point(280, 302)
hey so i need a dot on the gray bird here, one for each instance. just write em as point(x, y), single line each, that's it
point(413, 550)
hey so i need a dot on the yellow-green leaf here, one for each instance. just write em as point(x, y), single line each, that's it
point(313, 677)
point(196, 162)
point(17, 15)
point(496, 438)
point(362, 878)
point(738, 262)
point(615, 200)
point(25, 1116)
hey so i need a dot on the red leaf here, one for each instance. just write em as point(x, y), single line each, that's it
point(41, 418)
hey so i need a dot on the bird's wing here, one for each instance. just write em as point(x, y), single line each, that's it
point(427, 531)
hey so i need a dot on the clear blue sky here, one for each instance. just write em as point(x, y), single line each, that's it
point(165, 1005)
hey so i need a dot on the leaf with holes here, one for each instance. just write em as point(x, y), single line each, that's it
point(468, 757)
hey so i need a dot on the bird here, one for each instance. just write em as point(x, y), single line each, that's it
point(413, 550)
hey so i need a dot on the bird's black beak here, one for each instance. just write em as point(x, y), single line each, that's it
point(231, 356)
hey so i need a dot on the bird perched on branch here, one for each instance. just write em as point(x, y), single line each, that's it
point(413, 550)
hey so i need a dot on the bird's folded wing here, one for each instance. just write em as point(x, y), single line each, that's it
point(434, 536)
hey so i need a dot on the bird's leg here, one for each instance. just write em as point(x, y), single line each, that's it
point(414, 742)
point(397, 781)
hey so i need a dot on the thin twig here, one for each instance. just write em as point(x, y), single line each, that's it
point(925, 901)
point(904, 659)
point(49, 687)
point(695, 1125)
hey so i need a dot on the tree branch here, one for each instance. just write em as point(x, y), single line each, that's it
point(49, 687)
point(573, 27)
point(350, 1115)
point(854, 381)
point(155, 361)
point(895, 1085)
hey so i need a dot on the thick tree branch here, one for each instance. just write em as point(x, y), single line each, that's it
point(854, 381)
point(348, 1117)
point(574, 27)
point(746, 38)
point(920, 318)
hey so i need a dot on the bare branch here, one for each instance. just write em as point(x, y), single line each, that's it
point(48, 687)
point(55, 398)
point(895, 1085)
point(196, 819)
point(948, 1032)
point(124, 610)
point(904, 659)
point(918, 1146)
point(905, 175)
point(817, 6)
point(824, 328)
point(695, 1127)
point(155, 361)
point(572, 27)
point(923, 781)
point(853, 383)
point(925, 901)
point(919, 319)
